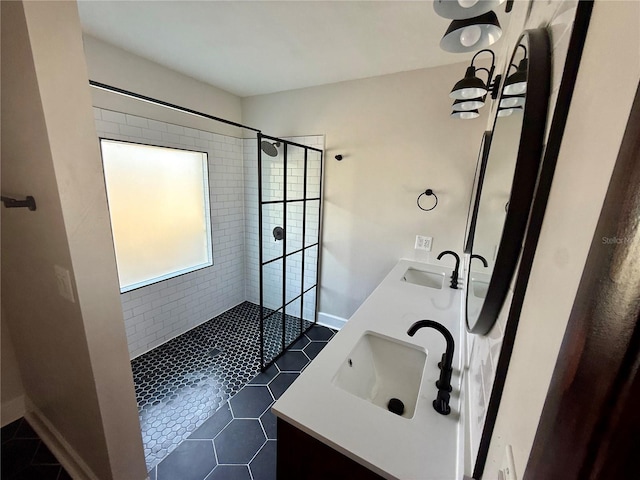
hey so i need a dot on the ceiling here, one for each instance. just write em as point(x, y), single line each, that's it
point(258, 47)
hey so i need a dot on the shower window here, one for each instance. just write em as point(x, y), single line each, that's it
point(159, 206)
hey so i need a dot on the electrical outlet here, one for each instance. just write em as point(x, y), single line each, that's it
point(423, 243)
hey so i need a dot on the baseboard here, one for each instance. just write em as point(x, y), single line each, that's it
point(12, 410)
point(331, 321)
point(61, 449)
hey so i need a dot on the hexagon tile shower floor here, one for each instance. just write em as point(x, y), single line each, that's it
point(181, 383)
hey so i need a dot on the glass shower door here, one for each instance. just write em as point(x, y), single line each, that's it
point(289, 192)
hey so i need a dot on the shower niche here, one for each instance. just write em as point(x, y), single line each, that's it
point(289, 223)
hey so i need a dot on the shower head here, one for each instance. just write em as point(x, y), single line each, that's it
point(269, 148)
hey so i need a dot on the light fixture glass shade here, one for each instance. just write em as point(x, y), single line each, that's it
point(461, 9)
point(512, 101)
point(516, 84)
point(469, 87)
point(505, 112)
point(471, 104)
point(471, 34)
point(465, 114)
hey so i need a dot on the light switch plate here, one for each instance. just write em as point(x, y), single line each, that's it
point(508, 469)
point(63, 279)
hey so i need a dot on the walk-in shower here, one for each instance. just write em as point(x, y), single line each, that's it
point(197, 338)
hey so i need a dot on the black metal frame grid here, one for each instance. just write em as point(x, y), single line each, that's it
point(284, 202)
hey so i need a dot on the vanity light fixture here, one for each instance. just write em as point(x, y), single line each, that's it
point(516, 83)
point(472, 87)
point(469, 104)
point(474, 25)
point(469, 87)
point(465, 114)
point(459, 9)
point(510, 101)
point(470, 34)
point(505, 112)
point(470, 92)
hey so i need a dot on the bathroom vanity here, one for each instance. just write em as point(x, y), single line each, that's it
point(338, 411)
point(334, 420)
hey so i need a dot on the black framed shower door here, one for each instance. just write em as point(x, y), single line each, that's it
point(289, 235)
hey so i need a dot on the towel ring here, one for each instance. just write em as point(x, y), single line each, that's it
point(428, 192)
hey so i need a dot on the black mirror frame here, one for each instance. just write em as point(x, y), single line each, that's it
point(529, 159)
point(474, 200)
point(554, 140)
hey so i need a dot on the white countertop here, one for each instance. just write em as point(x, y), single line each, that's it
point(425, 447)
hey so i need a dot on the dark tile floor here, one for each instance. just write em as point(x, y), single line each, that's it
point(184, 381)
point(25, 457)
point(239, 440)
point(179, 388)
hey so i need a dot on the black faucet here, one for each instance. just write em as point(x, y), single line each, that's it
point(481, 258)
point(454, 275)
point(441, 403)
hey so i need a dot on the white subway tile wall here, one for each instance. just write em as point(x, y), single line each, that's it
point(162, 311)
point(159, 312)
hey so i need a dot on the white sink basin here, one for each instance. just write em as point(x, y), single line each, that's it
point(380, 368)
point(479, 288)
point(423, 278)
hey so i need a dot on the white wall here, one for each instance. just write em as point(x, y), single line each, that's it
point(595, 126)
point(116, 67)
point(72, 354)
point(159, 312)
point(397, 140)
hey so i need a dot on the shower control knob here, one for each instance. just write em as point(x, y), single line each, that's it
point(278, 233)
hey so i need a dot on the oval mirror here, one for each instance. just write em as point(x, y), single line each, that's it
point(503, 199)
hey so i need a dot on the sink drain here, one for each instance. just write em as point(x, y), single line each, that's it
point(396, 406)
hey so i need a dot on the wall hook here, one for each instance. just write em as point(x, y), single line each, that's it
point(339, 157)
point(29, 203)
point(428, 192)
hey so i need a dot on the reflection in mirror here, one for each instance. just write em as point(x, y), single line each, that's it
point(477, 182)
point(508, 177)
point(491, 213)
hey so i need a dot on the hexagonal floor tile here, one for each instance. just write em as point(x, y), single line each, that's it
point(192, 460)
point(281, 383)
point(230, 472)
point(263, 378)
point(251, 402)
point(269, 423)
point(239, 441)
point(319, 332)
point(313, 349)
point(292, 361)
point(300, 343)
point(263, 467)
point(214, 424)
